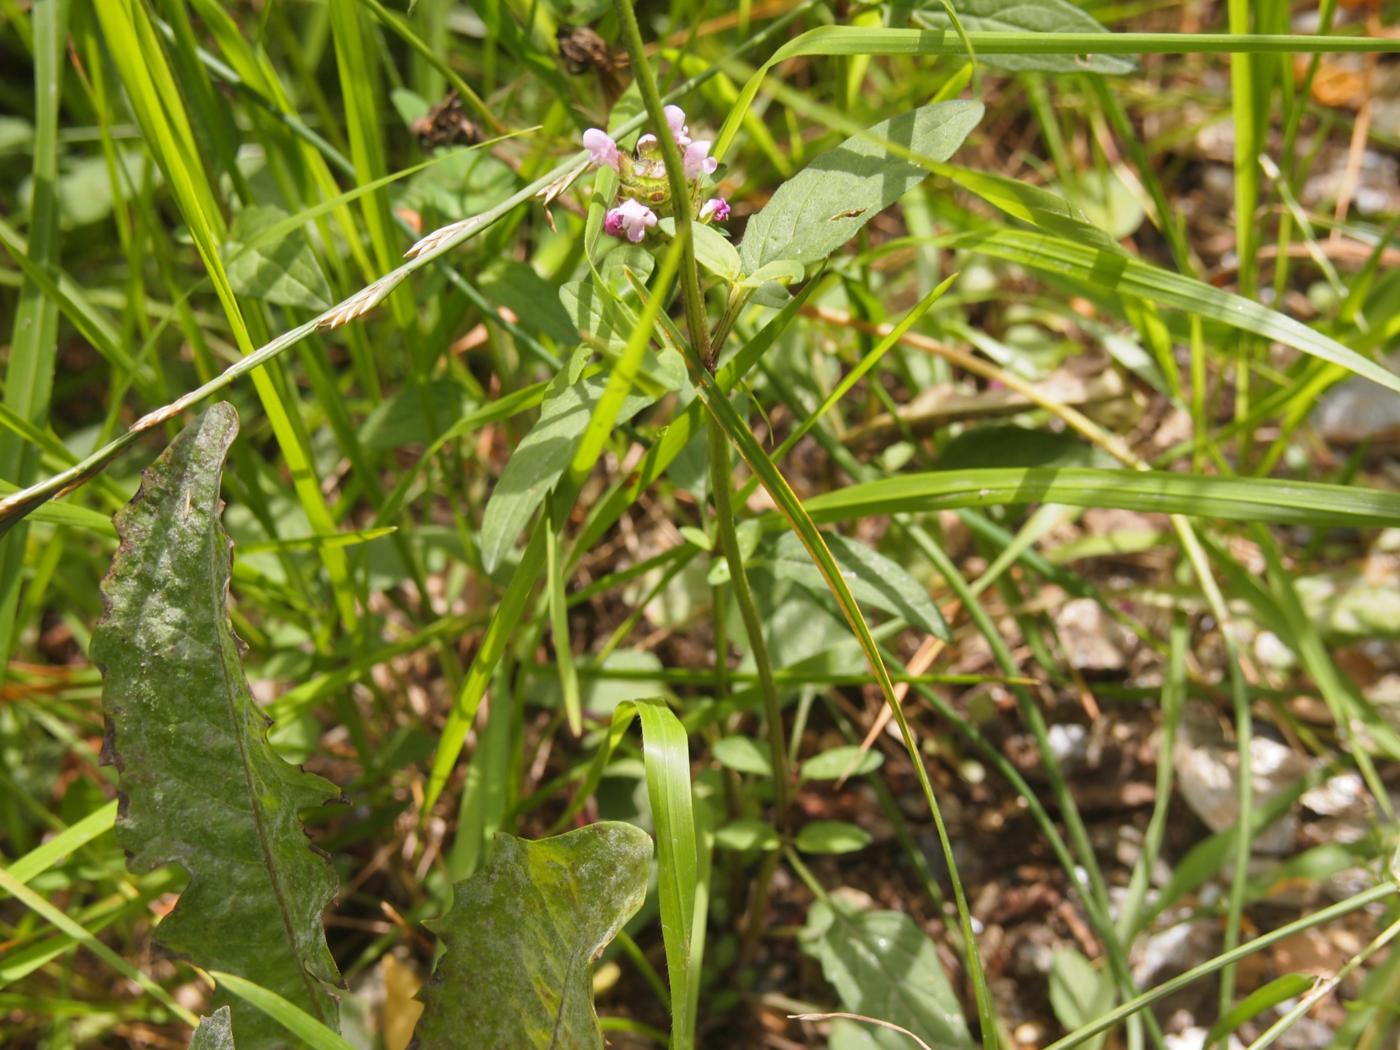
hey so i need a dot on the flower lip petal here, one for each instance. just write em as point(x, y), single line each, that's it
point(601, 148)
point(632, 218)
point(697, 160)
point(675, 117)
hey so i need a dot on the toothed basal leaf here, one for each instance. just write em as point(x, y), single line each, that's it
point(521, 935)
point(200, 785)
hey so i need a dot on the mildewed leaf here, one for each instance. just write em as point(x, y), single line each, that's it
point(882, 965)
point(215, 1032)
point(539, 461)
point(200, 784)
point(520, 937)
point(826, 203)
point(874, 579)
point(284, 272)
point(1028, 16)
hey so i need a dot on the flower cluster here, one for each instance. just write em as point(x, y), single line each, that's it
point(645, 191)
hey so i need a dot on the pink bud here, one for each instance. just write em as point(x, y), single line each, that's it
point(716, 208)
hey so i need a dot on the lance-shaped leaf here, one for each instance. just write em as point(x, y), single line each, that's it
point(827, 202)
point(539, 461)
point(520, 937)
point(201, 786)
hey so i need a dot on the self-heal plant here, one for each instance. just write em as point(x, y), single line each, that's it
point(645, 191)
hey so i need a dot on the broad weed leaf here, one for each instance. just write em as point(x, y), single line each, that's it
point(278, 267)
point(200, 785)
point(521, 936)
point(882, 965)
point(826, 203)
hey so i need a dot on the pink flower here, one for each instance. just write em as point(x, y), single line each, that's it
point(697, 160)
point(675, 117)
point(646, 143)
point(601, 148)
point(716, 208)
point(629, 217)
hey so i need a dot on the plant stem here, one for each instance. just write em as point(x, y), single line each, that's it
point(695, 324)
point(720, 481)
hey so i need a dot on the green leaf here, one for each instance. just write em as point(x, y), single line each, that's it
point(215, 1032)
point(839, 762)
point(1236, 499)
point(874, 579)
point(1031, 204)
point(666, 754)
point(203, 788)
point(1008, 445)
point(826, 203)
point(831, 836)
point(521, 936)
point(530, 297)
point(882, 965)
point(539, 461)
point(624, 257)
point(743, 755)
point(781, 271)
point(713, 250)
point(593, 313)
point(1028, 16)
point(65, 514)
point(745, 835)
point(284, 272)
point(417, 415)
point(289, 1017)
point(1289, 986)
point(1078, 992)
point(1117, 272)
